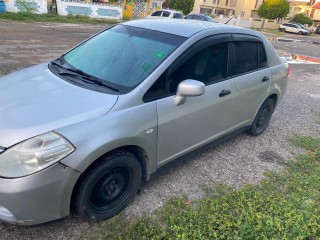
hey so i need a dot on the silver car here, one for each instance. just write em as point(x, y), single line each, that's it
point(84, 130)
point(294, 28)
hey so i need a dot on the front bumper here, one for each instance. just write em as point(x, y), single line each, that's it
point(37, 198)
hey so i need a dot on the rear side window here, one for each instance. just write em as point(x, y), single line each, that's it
point(156, 14)
point(165, 14)
point(262, 59)
point(249, 56)
point(245, 57)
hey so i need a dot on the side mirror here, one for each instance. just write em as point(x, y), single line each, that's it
point(188, 88)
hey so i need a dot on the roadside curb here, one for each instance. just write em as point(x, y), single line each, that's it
point(282, 39)
point(278, 38)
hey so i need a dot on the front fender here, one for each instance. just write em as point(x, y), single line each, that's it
point(135, 126)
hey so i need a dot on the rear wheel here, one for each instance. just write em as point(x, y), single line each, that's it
point(281, 29)
point(108, 186)
point(263, 117)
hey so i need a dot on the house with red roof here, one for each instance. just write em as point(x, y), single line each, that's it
point(315, 13)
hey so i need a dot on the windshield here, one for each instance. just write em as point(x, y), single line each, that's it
point(123, 56)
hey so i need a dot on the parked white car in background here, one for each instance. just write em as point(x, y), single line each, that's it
point(293, 28)
point(166, 13)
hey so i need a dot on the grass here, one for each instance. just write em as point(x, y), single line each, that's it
point(270, 31)
point(31, 17)
point(282, 206)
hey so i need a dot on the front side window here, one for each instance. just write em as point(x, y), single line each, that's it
point(209, 65)
point(123, 56)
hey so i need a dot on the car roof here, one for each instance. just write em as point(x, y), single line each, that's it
point(182, 27)
point(168, 10)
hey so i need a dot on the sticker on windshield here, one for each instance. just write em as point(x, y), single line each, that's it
point(159, 55)
point(146, 66)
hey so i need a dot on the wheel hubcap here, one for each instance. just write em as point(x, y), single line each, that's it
point(111, 189)
point(263, 118)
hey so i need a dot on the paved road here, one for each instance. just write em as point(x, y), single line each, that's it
point(235, 162)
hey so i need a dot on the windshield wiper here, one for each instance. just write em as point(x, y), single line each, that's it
point(82, 75)
point(86, 78)
point(78, 71)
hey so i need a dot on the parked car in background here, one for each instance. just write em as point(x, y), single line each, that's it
point(302, 26)
point(201, 17)
point(294, 28)
point(166, 14)
point(317, 30)
point(85, 129)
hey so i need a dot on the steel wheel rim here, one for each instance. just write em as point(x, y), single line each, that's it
point(263, 118)
point(111, 189)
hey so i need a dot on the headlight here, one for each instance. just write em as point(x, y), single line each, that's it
point(34, 155)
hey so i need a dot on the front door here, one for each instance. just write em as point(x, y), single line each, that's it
point(200, 119)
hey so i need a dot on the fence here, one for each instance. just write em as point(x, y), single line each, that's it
point(75, 7)
point(65, 7)
point(2, 7)
point(251, 23)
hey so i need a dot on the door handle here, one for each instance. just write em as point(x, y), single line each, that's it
point(265, 78)
point(224, 93)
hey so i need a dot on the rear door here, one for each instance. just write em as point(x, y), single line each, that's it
point(251, 79)
point(295, 29)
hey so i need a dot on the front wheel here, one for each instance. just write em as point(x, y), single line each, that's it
point(300, 33)
point(107, 186)
point(262, 118)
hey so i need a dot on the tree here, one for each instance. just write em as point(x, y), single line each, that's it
point(184, 6)
point(272, 9)
point(302, 18)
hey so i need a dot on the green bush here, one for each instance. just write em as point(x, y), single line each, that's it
point(302, 18)
point(28, 6)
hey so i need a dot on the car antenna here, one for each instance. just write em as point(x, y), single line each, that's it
point(228, 20)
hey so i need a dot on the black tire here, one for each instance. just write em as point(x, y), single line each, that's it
point(281, 29)
point(262, 118)
point(107, 186)
point(300, 33)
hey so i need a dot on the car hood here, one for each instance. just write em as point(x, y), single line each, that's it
point(34, 101)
